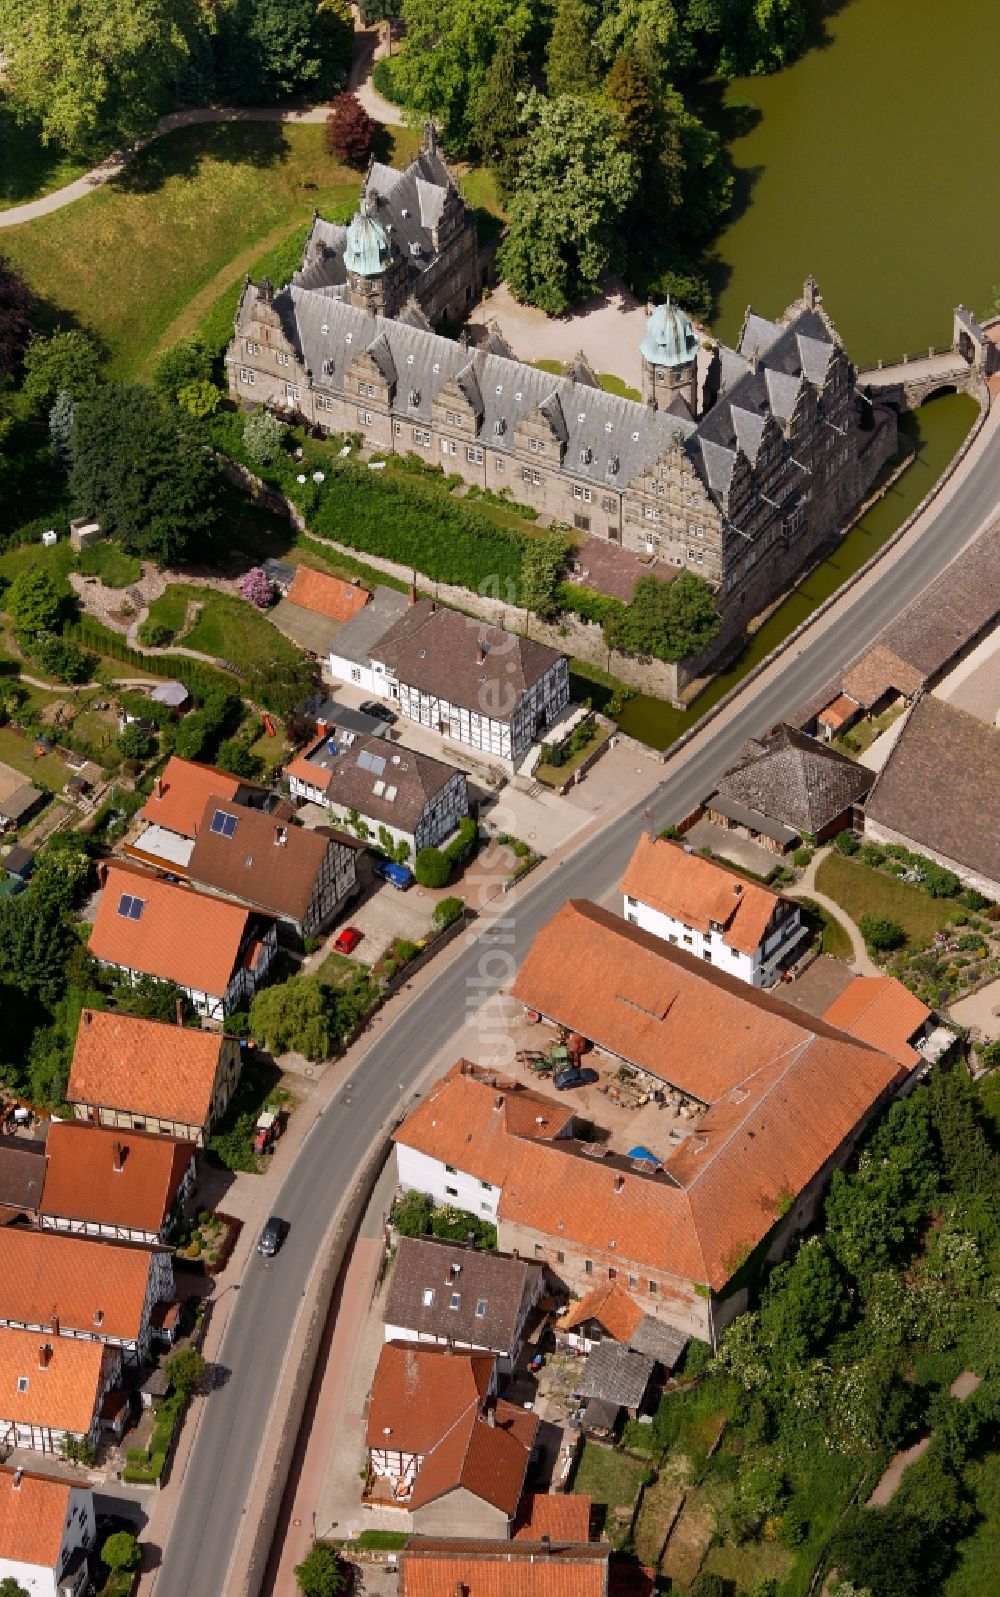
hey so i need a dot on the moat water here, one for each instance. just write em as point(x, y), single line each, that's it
point(870, 167)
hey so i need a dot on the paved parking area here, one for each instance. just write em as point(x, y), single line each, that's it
point(980, 1012)
point(738, 850)
point(815, 990)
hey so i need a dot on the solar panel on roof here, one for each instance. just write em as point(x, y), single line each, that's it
point(131, 908)
point(222, 824)
point(372, 762)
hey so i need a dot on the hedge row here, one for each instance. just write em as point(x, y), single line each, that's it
point(587, 603)
point(196, 676)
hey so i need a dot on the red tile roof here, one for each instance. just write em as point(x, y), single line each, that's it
point(838, 711)
point(327, 596)
point(33, 1515)
point(879, 1010)
point(564, 1517)
point(486, 1454)
point(191, 938)
point(63, 1395)
point(96, 1287)
point(145, 1066)
point(490, 1118)
point(81, 1182)
point(442, 1568)
point(611, 1307)
point(179, 799)
point(419, 1392)
point(698, 891)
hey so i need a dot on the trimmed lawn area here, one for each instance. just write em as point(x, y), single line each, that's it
point(196, 206)
point(863, 735)
point(748, 1563)
point(338, 971)
point(233, 630)
point(862, 891)
point(556, 775)
point(57, 561)
point(115, 568)
point(29, 169)
point(47, 771)
point(170, 609)
point(612, 1479)
point(835, 942)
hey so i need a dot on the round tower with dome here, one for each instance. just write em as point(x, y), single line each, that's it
point(669, 352)
point(376, 271)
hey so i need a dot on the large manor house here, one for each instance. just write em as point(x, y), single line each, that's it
point(737, 464)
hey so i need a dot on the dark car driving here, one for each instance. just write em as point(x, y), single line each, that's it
point(273, 1235)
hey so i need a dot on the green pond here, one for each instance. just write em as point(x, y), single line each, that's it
point(936, 431)
point(872, 166)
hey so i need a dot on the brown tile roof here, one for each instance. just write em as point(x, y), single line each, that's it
point(878, 672)
point(22, 1171)
point(420, 1392)
point(697, 891)
point(956, 607)
point(190, 938)
point(440, 1568)
point(95, 1287)
point(262, 862)
point(63, 1395)
point(881, 1011)
point(437, 651)
point(349, 777)
point(145, 1066)
point(796, 780)
point(178, 802)
point(939, 786)
point(611, 1306)
point(327, 596)
point(564, 1517)
point(497, 1283)
point(81, 1182)
point(33, 1515)
point(485, 1453)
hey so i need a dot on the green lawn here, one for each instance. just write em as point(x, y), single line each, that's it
point(58, 560)
point(233, 630)
point(47, 771)
point(27, 168)
point(614, 385)
point(108, 561)
point(836, 942)
point(193, 212)
point(170, 609)
point(860, 890)
point(611, 1480)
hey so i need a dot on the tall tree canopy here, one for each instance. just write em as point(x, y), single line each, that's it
point(570, 60)
point(141, 473)
point(445, 55)
point(16, 303)
point(496, 126)
point(574, 185)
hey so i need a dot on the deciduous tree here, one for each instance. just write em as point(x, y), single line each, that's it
point(16, 305)
point(570, 62)
point(187, 361)
point(445, 54)
point(666, 620)
point(64, 363)
point(262, 435)
point(32, 602)
point(349, 130)
point(293, 1016)
point(121, 1551)
point(320, 1573)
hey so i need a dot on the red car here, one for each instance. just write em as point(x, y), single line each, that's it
point(347, 941)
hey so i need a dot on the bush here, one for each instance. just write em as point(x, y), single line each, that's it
point(802, 856)
point(846, 843)
point(185, 1371)
point(446, 913)
point(411, 1215)
point(63, 660)
point(155, 635)
point(134, 743)
point(431, 868)
point(121, 1551)
point(262, 435)
point(881, 933)
point(320, 1573)
point(463, 842)
point(257, 588)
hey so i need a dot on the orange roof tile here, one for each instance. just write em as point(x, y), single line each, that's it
point(145, 1066)
point(485, 1113)
point(327, 596)
point(97, 1287)
point(440, 1568)
point(611, 1307)
point(191, 938)
point(698, 891)
point(178, 801)
point(838, 711)
point(63, 1395)
point(81, 1182)
point(562, 1518)
point(488, 1459)
point(33, 1515)
point(419, 1392)
point(881, 1011)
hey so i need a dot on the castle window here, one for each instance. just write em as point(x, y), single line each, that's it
point(247, 377)
point(582, 523)
point(252, 347)
point(282, 358)
point(365, 417)
point(582, 493)
point(368, 389)
point(448, 446)
point(322, 403)
point(498, 464)
point(421, 436)
point(292, 393)
point(609, 504)
point(453, 418)
point(536, 446)
point(474, 456)
point(651, 513)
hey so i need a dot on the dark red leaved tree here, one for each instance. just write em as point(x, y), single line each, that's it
point(16, 304)
point(349, 130)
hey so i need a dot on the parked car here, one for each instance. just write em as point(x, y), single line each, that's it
point(574, 1076)
point(398, 876)
point(273, 1235)
point(380, 712)
point(347, 940)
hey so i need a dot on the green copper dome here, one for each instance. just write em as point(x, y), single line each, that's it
point(670, 339)
point(366, 250)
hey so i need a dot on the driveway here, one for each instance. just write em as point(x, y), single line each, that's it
point(609, 328)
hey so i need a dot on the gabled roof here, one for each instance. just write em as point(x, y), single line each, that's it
point(881, 1011)
point(612, 1308)
point(486, 1453)
point(419, 1392)
point(475, 1296)
point(178, 800)
point(145, 1067)
point(690, 888)
point(81, 1182)
point(63, 1394)
point(939, 786)
point(794, 779)
point(519, 1568)
point(327, 596)
point(461, 1115)
point(258, 859)
point(357, 637)
point(180, 935)
point(22, 1171)
point(33, 1513)
point(615, 1373)
point(877, 673)
point(438, 651)
point(387, 783)
point(98, 1288)
point(562, 1517)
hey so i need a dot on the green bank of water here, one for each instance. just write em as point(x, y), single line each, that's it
point(937, 431)
point(872, 166)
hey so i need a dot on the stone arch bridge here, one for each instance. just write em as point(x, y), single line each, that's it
point(963, 367)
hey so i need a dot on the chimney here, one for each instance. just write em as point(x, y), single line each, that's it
point(280, 836)
point(546, 1542)
point(515, 1254)
point(86, 1017)
point(54, 1322)
point(158, 787)
point(98, 1318)
point(44, 1354)
point(179, 1011)
point(480, 653)
point(737, 889)
point(411, 593)
point(498, 1101)
point(433, 607)
point(321, 728)
point(118, 1155)
point(619, 1182)
point(491, 1418)
point(18, 1477)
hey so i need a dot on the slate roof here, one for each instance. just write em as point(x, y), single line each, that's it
point(33, 1515)
point(63, 1395)
point(306, 628)
point(361, 773)
point(145, 1066)
point(796, 780)
point(626, 1322)
point(616, 1374)
point(437, 651)
point(881, 1011)
point(191, 938)
point(520, 1568)
point(260, 861)
point(95, 1288)
point(17, 796)
point(939, 786)
point(494, 1283)
point(81, 1182)
point(357, 637)
point(690, 888)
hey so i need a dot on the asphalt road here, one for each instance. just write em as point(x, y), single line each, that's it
point(220, 1469)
